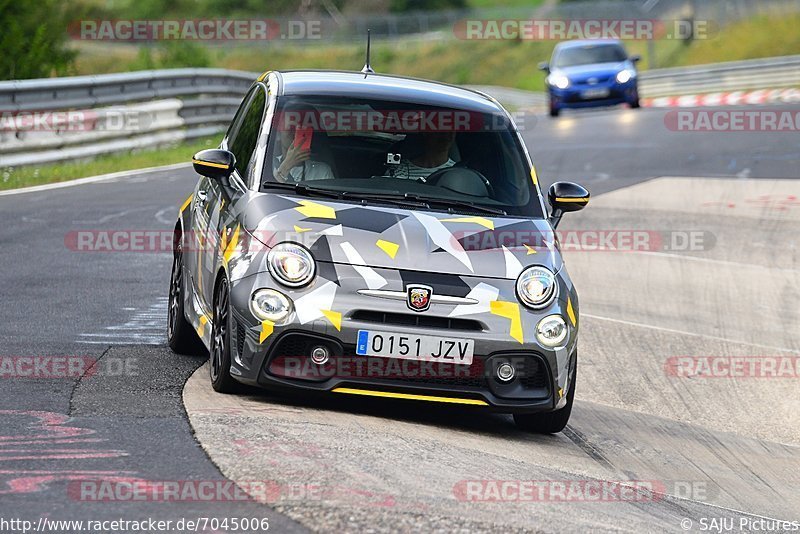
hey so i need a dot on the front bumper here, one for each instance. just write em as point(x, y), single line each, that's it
point(278, 356)
point(580, 95)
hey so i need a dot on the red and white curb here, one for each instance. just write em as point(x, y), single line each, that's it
point(735, 98)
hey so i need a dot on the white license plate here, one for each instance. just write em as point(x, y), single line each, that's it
point(595, 93)
point(411, 347)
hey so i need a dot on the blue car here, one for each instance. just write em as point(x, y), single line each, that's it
point(596, 73)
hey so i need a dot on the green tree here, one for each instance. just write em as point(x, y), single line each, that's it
point(33, 39)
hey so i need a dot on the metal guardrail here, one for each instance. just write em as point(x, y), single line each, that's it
point(770, 73)
point(114, 112)
point(109, 89)
point(177, 104)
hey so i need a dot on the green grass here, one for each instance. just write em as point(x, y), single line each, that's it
point(507, 63)
point(752, 39)
point(14, 177)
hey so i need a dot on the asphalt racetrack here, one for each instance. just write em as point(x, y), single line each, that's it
point(718, 280)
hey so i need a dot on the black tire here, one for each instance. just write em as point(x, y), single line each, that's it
point(553, 110)
point(181, 337)
point(635, 103)
point(550, 422)
point(220, 354)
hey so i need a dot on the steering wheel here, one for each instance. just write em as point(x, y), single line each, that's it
point(462, 180)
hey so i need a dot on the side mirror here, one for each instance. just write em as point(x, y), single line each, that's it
point(565, 197)
point(214, 163)
point(544, 66)
point(636, 58)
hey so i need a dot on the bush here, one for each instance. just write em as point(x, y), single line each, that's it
point(33, 39)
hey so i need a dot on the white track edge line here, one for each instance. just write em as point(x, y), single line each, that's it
point(92, 179)
point(683, 332)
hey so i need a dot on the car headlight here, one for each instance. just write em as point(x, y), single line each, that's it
point(626, 75)
point(270, 305)
point(291, 264)
point(558, 80)
point(552, 331)
point(537, 287)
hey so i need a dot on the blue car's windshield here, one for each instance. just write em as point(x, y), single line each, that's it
point(373, 148)
point(589, 54)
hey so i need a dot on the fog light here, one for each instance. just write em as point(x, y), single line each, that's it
point(320, 355)
point(505, 372)
point(551, 331)
point(270, 305)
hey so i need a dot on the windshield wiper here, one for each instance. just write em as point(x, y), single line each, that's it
point(465, 204)
point(303, 189)
point(404, 198)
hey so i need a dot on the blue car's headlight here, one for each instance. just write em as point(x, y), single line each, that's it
point(626, 75)
point(558, 80)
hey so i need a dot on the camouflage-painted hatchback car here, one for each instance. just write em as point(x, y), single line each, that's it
point(363, 234)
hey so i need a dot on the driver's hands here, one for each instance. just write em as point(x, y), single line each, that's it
point(294, 157)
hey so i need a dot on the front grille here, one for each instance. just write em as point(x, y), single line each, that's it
point(293, 346)
point(420, 320)
point(533, 375)
point(585, 80)
point(430, 374)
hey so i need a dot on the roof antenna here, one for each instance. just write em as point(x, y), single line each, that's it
point(367, 69)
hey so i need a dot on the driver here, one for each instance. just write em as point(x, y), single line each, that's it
point(435, 155)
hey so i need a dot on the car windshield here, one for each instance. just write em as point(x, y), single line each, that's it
point(399, 153)
point(589, 54)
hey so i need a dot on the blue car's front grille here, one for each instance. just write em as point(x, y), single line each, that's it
point(595, 80)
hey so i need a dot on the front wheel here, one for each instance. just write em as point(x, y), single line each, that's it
point(550, 422)
point(552, 106)
point(635, 103)
point(220, 353)
point(180, 335)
